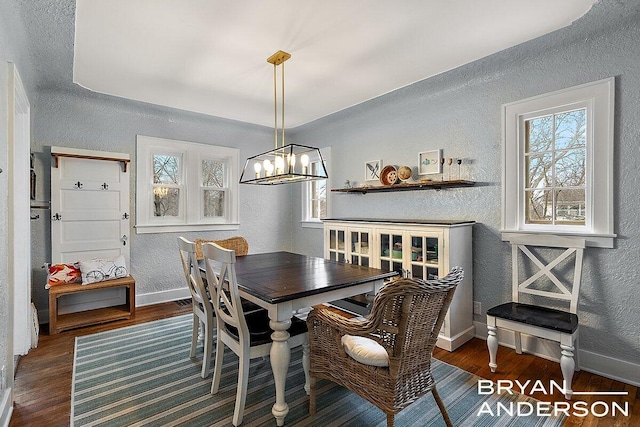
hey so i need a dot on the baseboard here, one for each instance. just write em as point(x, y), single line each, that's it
point(450, 344)
point(162, 296)
point(6, 407)
point(609, 367)
point(606, 366)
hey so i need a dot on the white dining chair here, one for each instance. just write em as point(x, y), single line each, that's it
point(203, 311)
point(545, 279)
point(247, 335)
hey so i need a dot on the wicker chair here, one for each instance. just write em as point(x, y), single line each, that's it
point(237, 243)
point(405, 321)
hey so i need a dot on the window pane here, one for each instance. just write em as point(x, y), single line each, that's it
point(212, 173)
point(166, 169)
point(571, 129)
point(539, 206)
point(570, 206)
point(539, 134)
point(166, 201)
point(570, 168)
point(213, 203)
point(555, 164)
point(539, 170)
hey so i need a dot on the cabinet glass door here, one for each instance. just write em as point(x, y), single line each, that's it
point(425, 262)
point(360, 250)
point(391, 251)
point(337, 240)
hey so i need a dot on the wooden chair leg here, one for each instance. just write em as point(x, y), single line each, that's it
point(443, 410)
point(194, 336)
point(312, 396)
point(518, 342)
point(217, 367)
point(208, 347)
point(567, 365)
point(390, 418)
point(241, 393)
point(492, 345)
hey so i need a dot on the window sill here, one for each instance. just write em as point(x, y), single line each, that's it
point(592, 240)
point(178, 228)
point(311, 224)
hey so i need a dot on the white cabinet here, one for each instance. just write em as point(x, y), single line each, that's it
point(423, 250)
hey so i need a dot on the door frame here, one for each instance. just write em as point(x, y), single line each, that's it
point(19, 233)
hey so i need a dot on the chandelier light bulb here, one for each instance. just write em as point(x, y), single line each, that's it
point(304, 160)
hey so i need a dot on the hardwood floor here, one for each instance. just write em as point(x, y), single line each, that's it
point(43, 379)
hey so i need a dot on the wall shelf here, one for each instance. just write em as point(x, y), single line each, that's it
point(426, 185)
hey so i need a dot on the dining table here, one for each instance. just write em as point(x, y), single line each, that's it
point(286, 284)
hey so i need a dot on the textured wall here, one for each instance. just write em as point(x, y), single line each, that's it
point(460, 112)
point(110, 124)
point(12, 49)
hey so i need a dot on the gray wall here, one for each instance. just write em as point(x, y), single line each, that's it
point(12, 49)
point(98, 122)
point(460, 112)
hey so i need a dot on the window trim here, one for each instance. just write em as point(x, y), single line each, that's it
point(190, 153)
point(307, 221)
point(598, 98)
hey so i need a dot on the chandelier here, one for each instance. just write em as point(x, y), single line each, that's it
point(285, 163)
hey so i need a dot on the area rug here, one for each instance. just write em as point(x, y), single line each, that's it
point(142, 376)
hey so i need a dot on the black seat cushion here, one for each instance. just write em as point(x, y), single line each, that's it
point(260, 331)
point(542, 317)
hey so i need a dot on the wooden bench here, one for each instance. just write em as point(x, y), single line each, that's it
point(61, 322)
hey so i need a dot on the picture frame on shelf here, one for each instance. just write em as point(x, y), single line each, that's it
point(372, 170)
point(429, 162)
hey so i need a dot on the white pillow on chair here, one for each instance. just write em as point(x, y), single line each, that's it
point(365, 350)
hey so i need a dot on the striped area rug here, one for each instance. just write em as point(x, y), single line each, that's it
point(142, 376)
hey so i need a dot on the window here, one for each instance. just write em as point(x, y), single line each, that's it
point(184, 186)
point(314, 196)
point(558, 163)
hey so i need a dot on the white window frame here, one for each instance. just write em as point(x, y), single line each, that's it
point(308, 221)
point(191, 216)
point(598, 99)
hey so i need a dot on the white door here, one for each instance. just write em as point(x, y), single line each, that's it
point(19, 212)
point(89, 215)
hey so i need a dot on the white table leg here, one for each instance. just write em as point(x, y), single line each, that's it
point(280, 357)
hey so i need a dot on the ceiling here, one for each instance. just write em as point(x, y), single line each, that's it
point(209, 56)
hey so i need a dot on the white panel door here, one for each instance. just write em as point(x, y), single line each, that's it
point(89, 216)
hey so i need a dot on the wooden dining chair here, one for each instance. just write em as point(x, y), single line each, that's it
point(203, 311)
point(385, 358)
point(248, 335)
point(545, 269)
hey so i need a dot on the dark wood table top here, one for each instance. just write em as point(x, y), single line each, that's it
point(277, 277)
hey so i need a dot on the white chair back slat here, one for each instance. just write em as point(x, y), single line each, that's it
point(192, 271)
point(523, 243)
point(225, 294)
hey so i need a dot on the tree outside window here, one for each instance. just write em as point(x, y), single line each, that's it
point(555, 159)
point(213, 188)
point(166, 192)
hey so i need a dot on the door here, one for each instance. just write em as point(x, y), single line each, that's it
point(89, 216)
point(424, 257)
